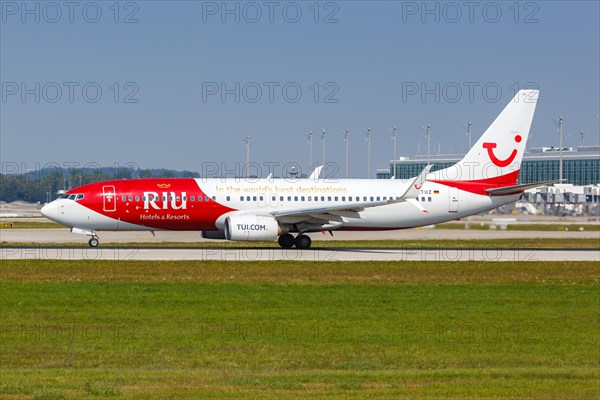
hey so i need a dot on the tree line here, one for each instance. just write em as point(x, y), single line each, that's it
point(43, 185)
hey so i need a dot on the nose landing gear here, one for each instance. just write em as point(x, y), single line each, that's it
point(94, 242)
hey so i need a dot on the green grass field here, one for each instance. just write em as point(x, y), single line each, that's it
point(289, 330)
point(517, 243)
point(548, 227)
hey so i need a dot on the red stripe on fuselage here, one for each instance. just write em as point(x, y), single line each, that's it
point(195, 215)
point(478, 186)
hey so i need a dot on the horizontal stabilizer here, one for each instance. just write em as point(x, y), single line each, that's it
point(515, 189)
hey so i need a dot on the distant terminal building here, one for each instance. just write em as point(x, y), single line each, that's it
point(581, 165)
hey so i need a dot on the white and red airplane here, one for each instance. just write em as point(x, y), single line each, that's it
point(269, 209)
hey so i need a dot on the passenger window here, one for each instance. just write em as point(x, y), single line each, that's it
point(328, 198)
point(199, 198)
point(247, 198)
point(123, 198)
point(322, 198)
point(241, 198)
point(365, 198)
point(143, 198)
point(214, 198)
point(261, 198)
point(378, 198)
point(253, 198)
point(164, 198)
point(206, 198)
point(228, 198)
point(429, 199)
point(302, 198)
point(295, 198)
point(280, 198)
point(137, 198)
point(371, 198)
point(192, 198)
point(336, 198)
point(343, 198)
point(273, 198)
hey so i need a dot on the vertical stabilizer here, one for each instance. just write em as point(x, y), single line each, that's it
point(498, 153)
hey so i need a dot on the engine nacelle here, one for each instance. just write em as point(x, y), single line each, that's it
point(251, 228)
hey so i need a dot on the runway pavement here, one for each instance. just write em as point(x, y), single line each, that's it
point(63, 235)
point(115, 247)
point(320, 255)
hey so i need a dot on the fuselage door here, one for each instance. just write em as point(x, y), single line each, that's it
point(453, 199)
point(109, 196)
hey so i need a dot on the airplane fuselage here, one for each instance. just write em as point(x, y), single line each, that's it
point(188, 204)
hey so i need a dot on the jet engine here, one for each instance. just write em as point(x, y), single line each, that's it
point(251, 228)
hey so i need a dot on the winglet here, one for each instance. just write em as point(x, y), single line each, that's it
point(415, 187)
point(315, 174)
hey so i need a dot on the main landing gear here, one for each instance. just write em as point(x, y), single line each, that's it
point(287, 241)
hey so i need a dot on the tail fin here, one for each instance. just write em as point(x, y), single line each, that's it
point(497, 155)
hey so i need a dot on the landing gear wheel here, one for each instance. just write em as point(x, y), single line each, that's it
point(286, 241)
point(94, 242)
point(303, 242)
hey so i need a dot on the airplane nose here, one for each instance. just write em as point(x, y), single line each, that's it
point(50, 210)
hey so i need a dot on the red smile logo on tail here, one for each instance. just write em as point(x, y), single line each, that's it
point(498, 162)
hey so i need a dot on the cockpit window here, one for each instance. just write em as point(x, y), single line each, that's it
point(75, 196)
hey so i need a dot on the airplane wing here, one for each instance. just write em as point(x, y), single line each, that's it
point(515, 189)
point(350, 210)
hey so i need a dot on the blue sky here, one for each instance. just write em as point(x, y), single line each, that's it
point(162, 65)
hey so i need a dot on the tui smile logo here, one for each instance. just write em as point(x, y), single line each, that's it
point(498, 162)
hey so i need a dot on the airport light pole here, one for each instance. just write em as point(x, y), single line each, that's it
point(581, 138)
point(368, 135)
point(346, 139)
point(309, 137)
point(247, 145)
point(323, 143)
point(560, 162)
point(394, 160)
point(468, 128)
point(428, 134)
